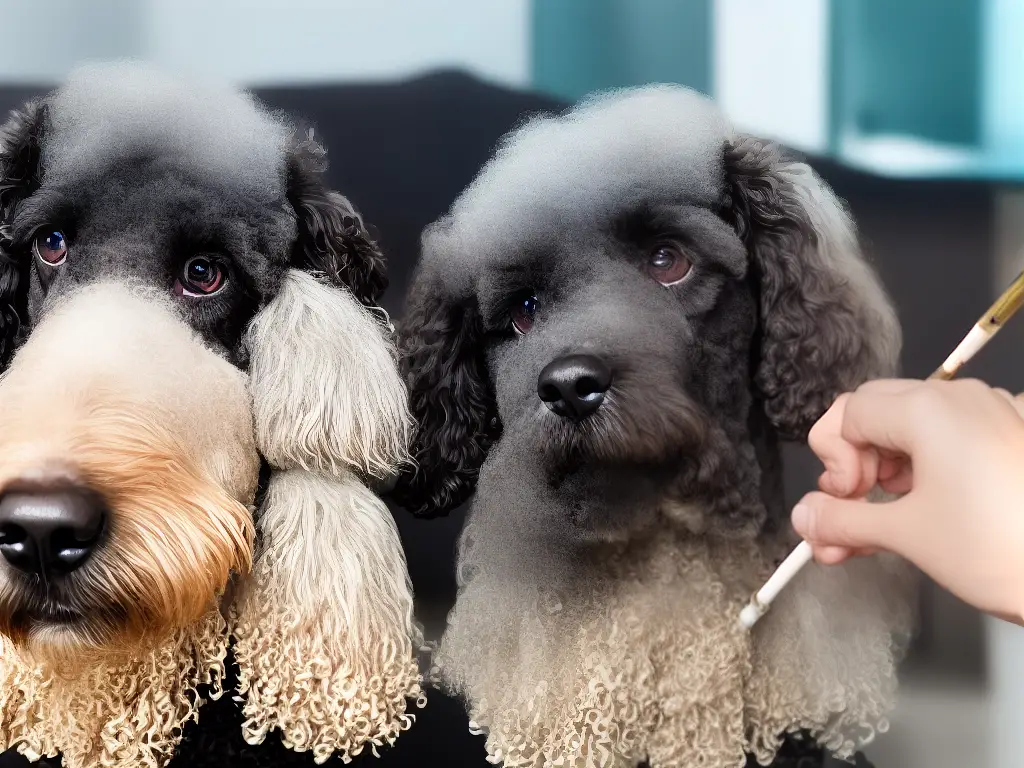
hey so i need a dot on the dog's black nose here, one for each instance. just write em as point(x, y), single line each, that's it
point(574, 386)
point(48, 532)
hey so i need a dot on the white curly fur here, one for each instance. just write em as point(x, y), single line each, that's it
point(638, 654)
point(324, 632)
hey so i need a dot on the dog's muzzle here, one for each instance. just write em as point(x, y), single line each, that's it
point(127, 467)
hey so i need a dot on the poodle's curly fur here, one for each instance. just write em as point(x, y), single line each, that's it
point(605, 560)
point(232, 437)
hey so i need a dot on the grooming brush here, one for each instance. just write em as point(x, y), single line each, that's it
point(981, 334)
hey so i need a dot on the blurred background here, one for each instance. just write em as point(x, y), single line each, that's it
point(912, 109)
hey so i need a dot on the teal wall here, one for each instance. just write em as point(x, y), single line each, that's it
point(928, 72)
point(911, 67)
point(584, 45)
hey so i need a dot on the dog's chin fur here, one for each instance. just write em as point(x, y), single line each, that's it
point(634, 651)
point(324, 629)
point(122, 714)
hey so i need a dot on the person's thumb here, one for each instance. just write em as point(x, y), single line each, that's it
point(825, 521)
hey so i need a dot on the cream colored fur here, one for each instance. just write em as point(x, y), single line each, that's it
point(112, 387)
point(638, 654)
point(326, 391)
point(324, 630)
point(126, 714)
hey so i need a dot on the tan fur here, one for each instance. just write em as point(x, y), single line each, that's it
point(114, 391)
point(326, 391)
point(324, 630)
point(639, 654)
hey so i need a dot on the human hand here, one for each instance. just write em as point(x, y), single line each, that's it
point(955, 449)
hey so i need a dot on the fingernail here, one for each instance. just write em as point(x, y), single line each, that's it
point(801, 517)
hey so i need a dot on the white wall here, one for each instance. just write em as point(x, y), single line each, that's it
point(263, 42)
point(771, 68)
point(43, 39)
point(274, 41)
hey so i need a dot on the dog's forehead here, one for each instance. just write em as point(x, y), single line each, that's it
point(656, 144)
point(107, 112)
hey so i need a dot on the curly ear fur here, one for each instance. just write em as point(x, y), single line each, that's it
point(19, 177)
point(333, 239)
point(451, 399)
point(327, 394)
point(826, 323)
point(324, 630)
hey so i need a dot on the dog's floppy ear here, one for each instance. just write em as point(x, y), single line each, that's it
point(826, 323)
point(452, 401)
point(333, 238)
point(323, 627)
point(19, 176)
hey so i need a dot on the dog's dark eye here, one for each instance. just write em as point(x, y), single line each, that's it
point(668, 264)
point(51, 248)
point(200, 276)
point(523, 312)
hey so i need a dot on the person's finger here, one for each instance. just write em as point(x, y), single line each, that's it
point(841, 460)
point(833, 555)
point(900, 483)
point(851, 470)
point(1018, 403)
point(889, 416)
point(823, 521)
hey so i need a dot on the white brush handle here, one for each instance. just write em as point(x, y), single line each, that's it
point(785, 573)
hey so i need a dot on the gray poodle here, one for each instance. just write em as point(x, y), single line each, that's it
point(198, 390)
point(608, 338)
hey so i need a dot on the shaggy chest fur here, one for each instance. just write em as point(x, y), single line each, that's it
point(635, 653)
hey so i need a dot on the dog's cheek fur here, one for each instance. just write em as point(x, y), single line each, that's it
point(451, 398)
point(827, 324)
point(324, 629)
point(327, 396)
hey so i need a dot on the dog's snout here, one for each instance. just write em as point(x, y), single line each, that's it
point(50, 531)
point(574, 386)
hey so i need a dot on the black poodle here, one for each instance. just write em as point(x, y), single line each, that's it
point(198, 388)
point(609, 337)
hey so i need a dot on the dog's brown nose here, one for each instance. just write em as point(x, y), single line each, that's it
point(49, 532)
point(574, 386)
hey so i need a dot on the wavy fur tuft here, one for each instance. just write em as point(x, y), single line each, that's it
point(324, 632)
